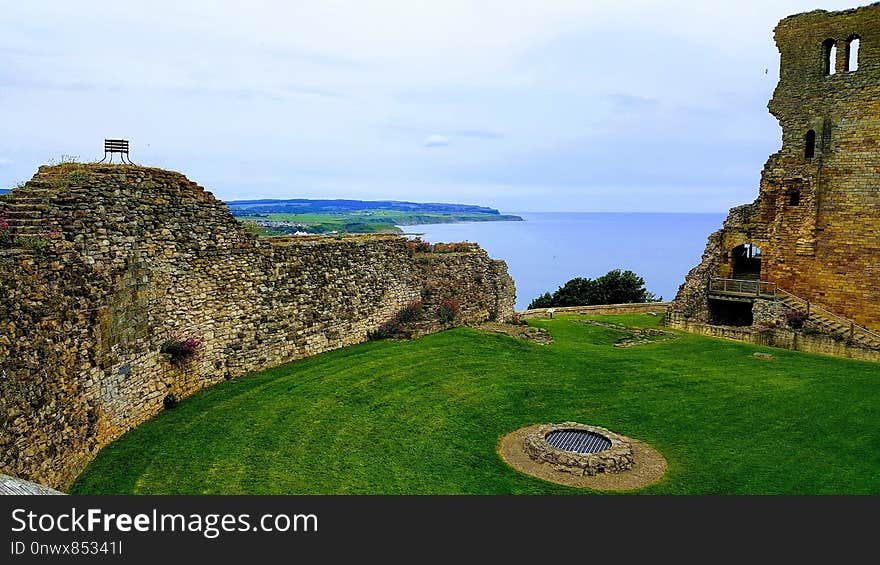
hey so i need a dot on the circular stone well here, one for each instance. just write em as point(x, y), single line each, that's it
point(578, 449)
point(580, 456)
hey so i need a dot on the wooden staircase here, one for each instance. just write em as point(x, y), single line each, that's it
point(829, 322)
point(747, 290)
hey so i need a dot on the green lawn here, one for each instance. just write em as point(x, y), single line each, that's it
point(424, 417)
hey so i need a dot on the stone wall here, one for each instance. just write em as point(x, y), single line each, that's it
point(600, 309)
point(769, 314)
point(112, 261)
point(777, 337)
point(817, 215)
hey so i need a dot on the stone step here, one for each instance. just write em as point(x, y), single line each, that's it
point(829, 324)
point(29, 201)
point(24, 214)
point(25, 207)
point(24, 223)
point(35, 190)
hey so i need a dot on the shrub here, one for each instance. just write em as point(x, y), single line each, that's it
point(387, 329)
point(448, 310)
point(418, 245)
point(170, 401)
point(795, 319)
point(412, 312)
point(180, 351)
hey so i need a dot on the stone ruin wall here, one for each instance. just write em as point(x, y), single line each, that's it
point(824, 248)
point(136, 256)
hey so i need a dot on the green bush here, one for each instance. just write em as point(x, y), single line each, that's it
point(543, 301)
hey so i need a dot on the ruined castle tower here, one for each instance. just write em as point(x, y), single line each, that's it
point(814, 231)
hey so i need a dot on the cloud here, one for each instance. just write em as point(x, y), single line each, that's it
point(350, 99)
point(436, 140)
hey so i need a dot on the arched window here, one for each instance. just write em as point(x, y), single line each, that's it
point(829, 51)
point(794, 197)
point(745, 262)
point(810, 145)
point(852, 54)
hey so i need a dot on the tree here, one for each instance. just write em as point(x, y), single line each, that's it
point(614, 287)
point(621, 287)
point(543, 301)
point(576, 292)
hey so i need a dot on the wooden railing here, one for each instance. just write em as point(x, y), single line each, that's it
point(742, 287)
point(854, 329)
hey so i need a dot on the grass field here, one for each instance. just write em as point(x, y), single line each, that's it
point(425, 416)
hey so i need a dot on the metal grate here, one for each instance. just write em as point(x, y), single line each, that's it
point(578, 441)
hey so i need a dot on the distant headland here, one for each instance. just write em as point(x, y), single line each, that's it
point(304, 216)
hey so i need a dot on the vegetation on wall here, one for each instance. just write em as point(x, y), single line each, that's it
point(181, 350)
point(614, 287)
point(6, 237)
point(419, 245)
point(448, 310)
point(32, 242)
point(396, 325)
point(796, 319)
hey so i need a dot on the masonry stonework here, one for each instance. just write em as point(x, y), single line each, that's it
point(114, 260)
point(817, 217)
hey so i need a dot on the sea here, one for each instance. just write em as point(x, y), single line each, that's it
point(549, 248)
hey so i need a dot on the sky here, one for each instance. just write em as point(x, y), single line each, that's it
point(556, 105)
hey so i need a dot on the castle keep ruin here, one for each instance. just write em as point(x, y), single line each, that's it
point(111, 261)
point(811, 240)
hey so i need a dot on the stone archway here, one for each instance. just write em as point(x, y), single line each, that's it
point(745, 262)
